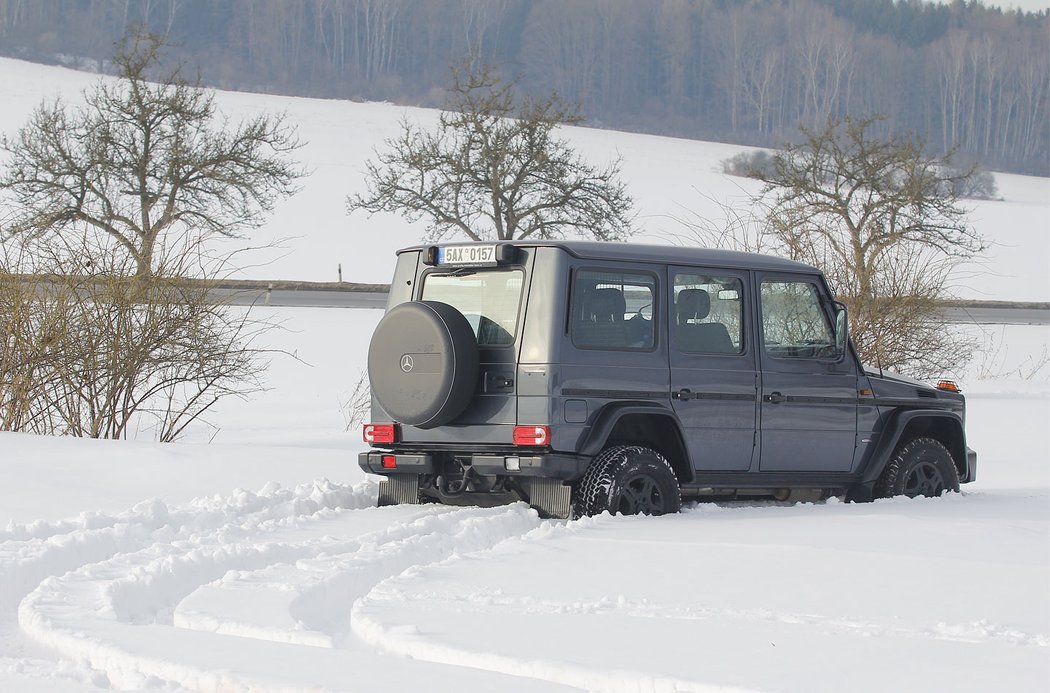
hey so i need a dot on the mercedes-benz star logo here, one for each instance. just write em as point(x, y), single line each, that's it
point(406, 363)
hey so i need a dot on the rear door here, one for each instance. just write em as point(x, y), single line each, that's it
point(491, 300)
point(713, 378)
point(809, 394)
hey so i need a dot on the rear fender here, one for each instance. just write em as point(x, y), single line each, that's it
point(636, 423)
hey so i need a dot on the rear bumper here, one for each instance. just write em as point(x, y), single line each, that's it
point(547, 465)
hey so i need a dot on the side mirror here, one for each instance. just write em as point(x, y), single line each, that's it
point(841, 329)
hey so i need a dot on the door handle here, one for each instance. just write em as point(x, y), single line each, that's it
point(685, 394)
point(775, 397)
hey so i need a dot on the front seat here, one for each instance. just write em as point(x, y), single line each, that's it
point(691, 335)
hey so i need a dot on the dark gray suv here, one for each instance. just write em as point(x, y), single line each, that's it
point(589, 377)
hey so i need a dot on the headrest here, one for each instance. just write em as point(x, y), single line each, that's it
point(606, 305)
point(692, 304)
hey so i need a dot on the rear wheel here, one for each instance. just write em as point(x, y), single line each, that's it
point(628, 480)
point(921, 467)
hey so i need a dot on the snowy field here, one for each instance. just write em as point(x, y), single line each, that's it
point(669, 178)
point(259, 562)
point(131, 565)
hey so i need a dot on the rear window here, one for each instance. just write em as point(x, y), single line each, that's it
point(489, 299)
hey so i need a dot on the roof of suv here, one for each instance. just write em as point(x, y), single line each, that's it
point(673, 254)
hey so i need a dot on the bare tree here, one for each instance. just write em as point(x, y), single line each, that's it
point(140, 160)
point(884, 222)
point(494, 168)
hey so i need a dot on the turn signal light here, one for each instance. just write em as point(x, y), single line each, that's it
point(532, 435)
point(379, 433)
point(948, 386)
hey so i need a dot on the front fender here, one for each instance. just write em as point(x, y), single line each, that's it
point(899, 423)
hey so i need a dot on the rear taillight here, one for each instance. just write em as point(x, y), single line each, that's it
point(532, 435)
point(379, 433)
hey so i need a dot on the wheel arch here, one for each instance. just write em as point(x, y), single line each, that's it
point(633, 423)
point(944, 427)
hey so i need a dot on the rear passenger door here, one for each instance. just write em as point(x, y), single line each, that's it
point(713, 379)
point(809, 393)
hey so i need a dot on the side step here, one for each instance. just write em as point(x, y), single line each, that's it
point(399, 489)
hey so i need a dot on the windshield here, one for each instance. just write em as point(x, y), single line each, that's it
point(488, 299)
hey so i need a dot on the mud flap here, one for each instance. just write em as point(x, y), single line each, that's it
point(550, 497)
point(399, 489)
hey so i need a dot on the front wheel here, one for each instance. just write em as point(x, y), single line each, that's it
point(921, 467)
point(628, 480)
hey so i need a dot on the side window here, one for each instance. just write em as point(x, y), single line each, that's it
point(794, 324)
point(707, 314)
point(612, 310)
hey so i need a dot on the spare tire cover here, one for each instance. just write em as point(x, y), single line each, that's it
point(423, 363)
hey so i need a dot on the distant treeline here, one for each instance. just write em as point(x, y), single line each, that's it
point(747, 71)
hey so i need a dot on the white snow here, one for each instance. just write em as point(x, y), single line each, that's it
point(132, 565)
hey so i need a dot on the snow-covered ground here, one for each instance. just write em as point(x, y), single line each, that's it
point(131, 565)
point(135, 565)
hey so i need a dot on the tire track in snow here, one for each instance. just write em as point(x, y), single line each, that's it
point(31, 553)
point(367, 623)
point(123, 614)
point(318, 592)
point(975, 632)
point(375, 619)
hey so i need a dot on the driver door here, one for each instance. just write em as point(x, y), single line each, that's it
point(808, 409)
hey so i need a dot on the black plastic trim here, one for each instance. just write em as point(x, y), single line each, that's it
point(614, 394)
point(940, 404)
point(805, 399)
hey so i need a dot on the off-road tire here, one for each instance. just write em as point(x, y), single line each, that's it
point(920, 467)
point(629, 480)
point(423, 363)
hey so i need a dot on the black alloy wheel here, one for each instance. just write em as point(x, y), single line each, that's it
point(924, 479)
point(641, 495)
point(628, 480)
point(920, 467)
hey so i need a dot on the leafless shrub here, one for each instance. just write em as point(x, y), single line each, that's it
point(749, 164)
point(95, 351)
point(358, 405)
point(995, 361)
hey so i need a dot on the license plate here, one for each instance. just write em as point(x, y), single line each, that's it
point(467, 255)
